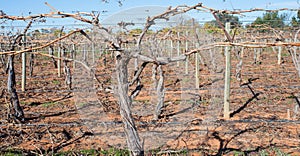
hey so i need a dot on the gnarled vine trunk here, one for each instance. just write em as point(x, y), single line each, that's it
point(160, 92)
point(11, 88)
point(132, 137)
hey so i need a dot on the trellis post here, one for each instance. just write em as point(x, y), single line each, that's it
point(186, 49)
point(178, 46)
point(171, 47)
point(59, 61)
point(93, 44)
point(279, 55)
point(227, 78)
point(23, 81)
point(197, 66)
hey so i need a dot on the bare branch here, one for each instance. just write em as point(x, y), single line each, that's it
point(159, 60)
point(59, 14)
point(222, 27)
point(52, 8)
point(69, 59)
point(27, 27)
point(166, 15)
point(40, 47)
point(138, 73)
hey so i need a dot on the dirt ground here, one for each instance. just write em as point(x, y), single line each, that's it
point(264, 112)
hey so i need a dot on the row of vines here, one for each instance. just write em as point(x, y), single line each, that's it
point(160, 84)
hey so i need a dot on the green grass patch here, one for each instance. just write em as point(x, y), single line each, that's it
point(11, 152)
point(23, 103)
point(238, 153)
point(285, 54)
point(56, 82)
point(115, 152)
point(48, 104)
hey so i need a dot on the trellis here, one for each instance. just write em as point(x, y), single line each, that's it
point(158, 60)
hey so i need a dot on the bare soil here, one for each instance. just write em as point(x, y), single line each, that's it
point(259, 122)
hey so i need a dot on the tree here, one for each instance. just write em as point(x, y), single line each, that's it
point(224, 18)
point(272, 19)
point(135, 32)
point(57, 32)
point(211, 28)
point(296, 20)
point(45, 31)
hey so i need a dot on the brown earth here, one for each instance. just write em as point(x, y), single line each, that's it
point(260, 123)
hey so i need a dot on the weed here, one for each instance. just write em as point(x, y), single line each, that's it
point(263, 153)
point(81, 104)
point(177, 102)
point(23, 103)
point(291, 97)
point(11, 152)
point(89, 152)
point(279, 152)
point(48, 104)
point(285, 54)
point(93, 152)
point(238, 153)
point(56, 82)
point(272, 151)
point(115, 152)
point(142, 101)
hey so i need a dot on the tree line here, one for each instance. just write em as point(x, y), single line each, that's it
point(269, 19)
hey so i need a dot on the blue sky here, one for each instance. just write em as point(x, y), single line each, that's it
point(23, 7)
point(38, 6)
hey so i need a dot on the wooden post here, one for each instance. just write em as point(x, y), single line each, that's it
point(197, 83)
point(288, 114)
point(164, 50)
point(178, 46)
point(59, 62)
point(93, 52)
point(59, 54)
point(23, 83)
point(242, 51)
point(258, 55)
point(279, 55)
point(171, 48)
point(93, 44)
point(73, 55)
point(227, 78)
point(187, 58)
point(255, 55)
point(85, 53)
